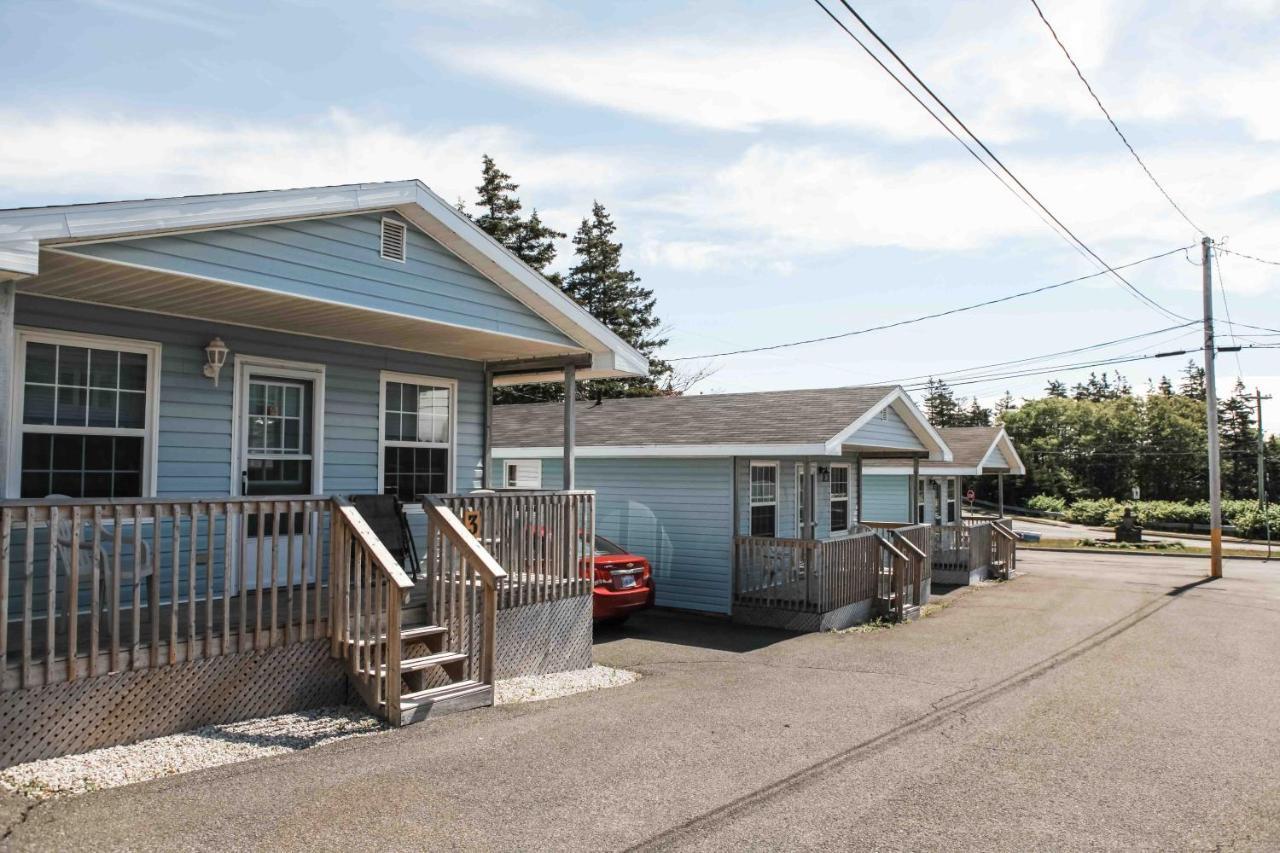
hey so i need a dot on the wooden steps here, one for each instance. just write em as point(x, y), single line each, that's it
point(436, 701)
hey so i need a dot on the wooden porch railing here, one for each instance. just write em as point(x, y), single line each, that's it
point(369, 589)
point(463, 580)
point(806, 574)
point(1005, 543)
point(980, 553)
point(545, 540)
point(94, 586)
point(917, 543)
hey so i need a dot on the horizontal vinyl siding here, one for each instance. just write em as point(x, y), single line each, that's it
point(889, 431)
point(997, 458)
point(338, 260)
point(194, 443)
point(884, 497)
point(674, 512)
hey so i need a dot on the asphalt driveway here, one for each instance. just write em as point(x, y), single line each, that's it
point(1096, 701)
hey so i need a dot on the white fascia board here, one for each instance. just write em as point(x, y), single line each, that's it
point(23, 230)
point(602, 367)
point(925, 471)
point(663, 450)
point(1011, 456)
point(911, 415)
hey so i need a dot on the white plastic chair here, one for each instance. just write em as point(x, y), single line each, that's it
point(89, 557)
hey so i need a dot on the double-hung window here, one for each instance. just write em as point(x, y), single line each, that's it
point(417, 435)
point(764, 498)
point(839, 498)
point(84, 415)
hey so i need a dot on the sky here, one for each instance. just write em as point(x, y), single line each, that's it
point(769, 182)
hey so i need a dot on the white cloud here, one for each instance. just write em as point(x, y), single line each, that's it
point(85, 157)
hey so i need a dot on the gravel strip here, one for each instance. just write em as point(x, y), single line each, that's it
point(535, 688)
point(209, 746)
point(212, 746)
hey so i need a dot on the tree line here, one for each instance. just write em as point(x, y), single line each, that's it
point(597, 281)
point(1100, 439)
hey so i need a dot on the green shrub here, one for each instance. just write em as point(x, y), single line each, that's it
point(1047, 503)
point(1091, 511)
point(1251, 523)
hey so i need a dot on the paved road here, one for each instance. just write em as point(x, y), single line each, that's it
point(1096, 701)
point(1079, 531)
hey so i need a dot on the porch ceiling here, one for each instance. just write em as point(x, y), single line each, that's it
point(66, 276)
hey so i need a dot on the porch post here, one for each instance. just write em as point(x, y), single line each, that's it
point(914, 490)
point(8, 292)
point(857, 471)
point(959, 502)
point(1000, 492)
point(807, 530)
point(570, 425)
point(486, 465)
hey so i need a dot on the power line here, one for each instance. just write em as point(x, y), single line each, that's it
point(1250, 257)
point(933, 316)
point(1111, 120)
point(1226, 306)
point(1060, 367)
point(1073, 238)
point(1102, 345)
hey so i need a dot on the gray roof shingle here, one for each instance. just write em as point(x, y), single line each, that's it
point(760, 417)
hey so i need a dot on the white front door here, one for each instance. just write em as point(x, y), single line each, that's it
point(278, 436)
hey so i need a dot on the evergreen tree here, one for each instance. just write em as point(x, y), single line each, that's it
point(975, 414)
point(499, 206)
point(941, 406)
point(614, 296)
point(1192, 385)
point(535, 244)
point(1005, 404)
point(1056, 388)
point(1239, 444)
point(1165, 388)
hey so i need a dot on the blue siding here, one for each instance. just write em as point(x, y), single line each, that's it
point(338, 260)
point(194, 443)
point(675, 512)
point(998, 459)
point(885, 497)
point(887, 430)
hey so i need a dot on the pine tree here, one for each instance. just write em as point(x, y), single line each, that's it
point(975, 414)
point(500, 209)
point(1165, 387)
point(1005, 404)
point(941, 406)
point(1239, 444)
point(535, 244)
point(1192, 385)
point(1056, 388)
point(614, 296)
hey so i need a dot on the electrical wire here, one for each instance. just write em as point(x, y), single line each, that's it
point(986, 149)
point(1112, 121)
point(1226, 307)
point(1102, 345)
point(1060, 367)
point(1250, 257)
point(932, 316)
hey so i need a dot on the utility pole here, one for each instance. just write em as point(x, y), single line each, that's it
point(1211, 414)
point(1262, 468)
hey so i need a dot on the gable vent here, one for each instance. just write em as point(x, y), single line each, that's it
point(393, 240)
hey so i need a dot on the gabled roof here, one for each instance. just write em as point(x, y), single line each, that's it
point(24, 231)
point(814, 422)
point(976, 450)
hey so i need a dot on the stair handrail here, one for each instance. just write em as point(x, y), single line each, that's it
point(364, 574)
point(1003, 531)
point(488, 570)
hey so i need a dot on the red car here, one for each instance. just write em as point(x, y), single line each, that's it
point(623, 583)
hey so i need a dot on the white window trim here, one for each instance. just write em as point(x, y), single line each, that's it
point(386, 376)
point(752, 502)
point(276, 367)
point(848, 498)
point(150, 430)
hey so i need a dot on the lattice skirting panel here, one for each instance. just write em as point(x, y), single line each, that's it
point(553, 636)
point(61, 719)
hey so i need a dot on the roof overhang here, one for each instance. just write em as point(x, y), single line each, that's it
point(988, 465)
point(24, 232)
point(706, 451)
point(901, 403)
point(1004, 445)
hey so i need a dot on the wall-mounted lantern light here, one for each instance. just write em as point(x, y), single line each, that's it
point(215, 355)
point(824, 473)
